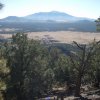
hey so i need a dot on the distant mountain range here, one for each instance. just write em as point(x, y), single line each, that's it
point(45, 16)
point(48, 21)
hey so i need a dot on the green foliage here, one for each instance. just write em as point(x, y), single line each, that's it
point(95, 73)
point(28, 61)
point(4, 71)
point(29, 69)
point(98, 24)
point(59, 65)
point(82, 63)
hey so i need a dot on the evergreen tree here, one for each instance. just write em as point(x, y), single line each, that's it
point(28, 61)
point(98, 24)
point(81, 62)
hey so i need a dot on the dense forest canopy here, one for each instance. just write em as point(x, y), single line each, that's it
point(30, 70)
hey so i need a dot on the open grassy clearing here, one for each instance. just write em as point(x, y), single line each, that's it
point(61, 36)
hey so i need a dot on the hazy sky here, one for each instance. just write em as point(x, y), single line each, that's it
point(81, 8)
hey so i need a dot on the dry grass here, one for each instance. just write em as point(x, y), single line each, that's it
point(5, 36)
point(62, 36)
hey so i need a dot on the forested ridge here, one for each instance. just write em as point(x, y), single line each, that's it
point(30, 70)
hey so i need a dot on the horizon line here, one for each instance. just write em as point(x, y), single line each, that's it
point(45, 12)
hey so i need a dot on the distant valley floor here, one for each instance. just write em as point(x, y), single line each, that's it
point(60, 36)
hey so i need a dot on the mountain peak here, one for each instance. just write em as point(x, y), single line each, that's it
point(44, 16)
point(11, 17)
point(52, 15)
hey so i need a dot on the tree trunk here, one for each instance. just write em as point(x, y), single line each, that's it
point(78, 85)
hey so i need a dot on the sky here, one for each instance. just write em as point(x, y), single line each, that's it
point(79, 8)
